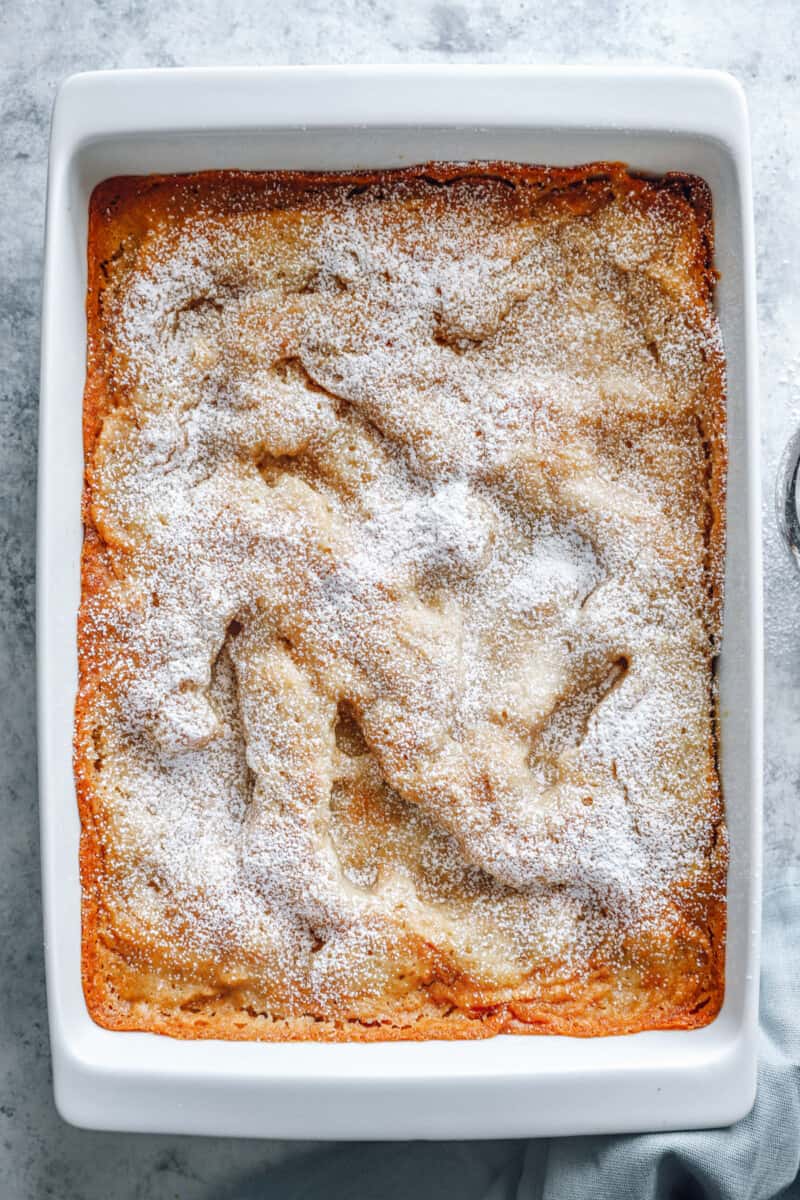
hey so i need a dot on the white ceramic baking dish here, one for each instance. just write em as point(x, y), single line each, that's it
point(137, 122)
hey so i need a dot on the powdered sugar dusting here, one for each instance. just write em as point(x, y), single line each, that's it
point(407, 643)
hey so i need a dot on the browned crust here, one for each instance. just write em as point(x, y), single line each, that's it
point(675, 999)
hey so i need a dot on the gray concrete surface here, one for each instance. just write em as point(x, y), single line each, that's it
point(39, 45)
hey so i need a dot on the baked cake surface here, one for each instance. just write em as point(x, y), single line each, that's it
point(400, 598)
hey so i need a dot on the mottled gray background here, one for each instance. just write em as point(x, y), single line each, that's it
point(40, 43)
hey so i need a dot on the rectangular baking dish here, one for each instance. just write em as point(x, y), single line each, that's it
point(335, 118)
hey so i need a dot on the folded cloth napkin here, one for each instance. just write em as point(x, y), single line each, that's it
point(756, 1159)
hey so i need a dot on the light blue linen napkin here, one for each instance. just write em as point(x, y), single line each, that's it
point(756, 1159)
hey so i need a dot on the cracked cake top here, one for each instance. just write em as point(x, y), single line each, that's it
point(401, 590)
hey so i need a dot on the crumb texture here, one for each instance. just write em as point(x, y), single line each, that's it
point(400, 598)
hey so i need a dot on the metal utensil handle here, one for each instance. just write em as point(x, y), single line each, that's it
point(787, 498)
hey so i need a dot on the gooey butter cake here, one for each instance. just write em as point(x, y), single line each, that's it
point(401, 590)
